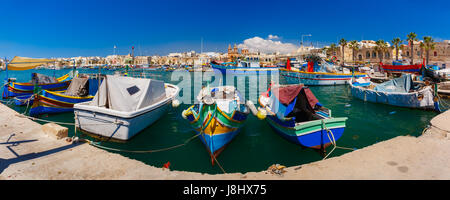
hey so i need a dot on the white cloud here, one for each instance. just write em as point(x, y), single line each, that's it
point(267, 46)
point(273, 37)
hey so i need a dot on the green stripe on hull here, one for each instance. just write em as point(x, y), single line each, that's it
point(219, 116)
point(310, 127)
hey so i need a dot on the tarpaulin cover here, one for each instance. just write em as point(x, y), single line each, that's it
point(42, 79)
point(78, 87)
point(301, 106)
point(128, 94)
point(286, 94)
point(402, 84)
point(24, 63)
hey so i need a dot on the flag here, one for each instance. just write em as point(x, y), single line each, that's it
point(288, 64)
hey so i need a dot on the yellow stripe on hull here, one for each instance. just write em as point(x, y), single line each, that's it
point(216, 128)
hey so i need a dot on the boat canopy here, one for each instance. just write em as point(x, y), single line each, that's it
point(293, 101)
point(128, 94)
point(24, 63)
point(402, 84)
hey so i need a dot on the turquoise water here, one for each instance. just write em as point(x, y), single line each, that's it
point(257, 146)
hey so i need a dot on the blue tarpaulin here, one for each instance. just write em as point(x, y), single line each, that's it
point(402, 84)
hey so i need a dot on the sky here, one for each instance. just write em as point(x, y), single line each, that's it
point(69, 28)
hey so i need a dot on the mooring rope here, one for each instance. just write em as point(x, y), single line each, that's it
point(142, 151)
point(333, 141)
point(442, 102)
point(62, 123)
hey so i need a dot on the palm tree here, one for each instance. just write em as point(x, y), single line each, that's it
point(343, 43)
point(381, 48)
point(330, 51)
point(411, 37)
point(396, 42)
point(355, 47)
point(427, 45)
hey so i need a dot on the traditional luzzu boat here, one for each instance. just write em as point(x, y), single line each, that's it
point(47, 101)
point(247, 66)
point(22, 92)
point(124, 106)
point(295, 114)
point(319, 74)
point(400, 67)
point(218, 117)
point(402, 92)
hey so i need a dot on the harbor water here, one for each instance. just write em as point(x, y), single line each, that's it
point(257, 146)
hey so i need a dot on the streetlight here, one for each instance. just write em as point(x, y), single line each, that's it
point(305, 35)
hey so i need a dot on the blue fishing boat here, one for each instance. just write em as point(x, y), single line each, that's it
point(402, 92)
point(319, 72)
point(218, 118)
point(243, 67)
point(22, 92)
point(296, 115)
point(79, 91)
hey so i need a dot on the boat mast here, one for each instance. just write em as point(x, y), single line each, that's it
point(6, 68)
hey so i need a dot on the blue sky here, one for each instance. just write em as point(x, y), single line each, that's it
point(66, 28)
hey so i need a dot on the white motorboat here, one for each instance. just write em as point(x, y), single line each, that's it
point(124, 106)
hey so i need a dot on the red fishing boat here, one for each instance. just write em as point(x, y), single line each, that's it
point(403, 68)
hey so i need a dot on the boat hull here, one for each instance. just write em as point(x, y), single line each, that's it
point(422, 99)
point(53, 102)
point(107, 126)
point(14, 89)
point(312, 134)
point(245, 70)
point(319, 78)
point(219, 128)
point(402, 68)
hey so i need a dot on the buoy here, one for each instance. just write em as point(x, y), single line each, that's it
point(183, 114)
point(262, 113)
point(175, 103)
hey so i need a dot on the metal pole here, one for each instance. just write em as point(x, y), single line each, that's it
point(6, 68)
point(73, 70)
point(302, 38)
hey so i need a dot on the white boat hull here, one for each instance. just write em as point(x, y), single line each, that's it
point(110, 126)
point(121, 125)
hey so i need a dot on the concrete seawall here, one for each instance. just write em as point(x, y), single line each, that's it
point(26, 152)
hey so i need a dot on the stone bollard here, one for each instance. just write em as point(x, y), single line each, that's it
point(55, 131)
